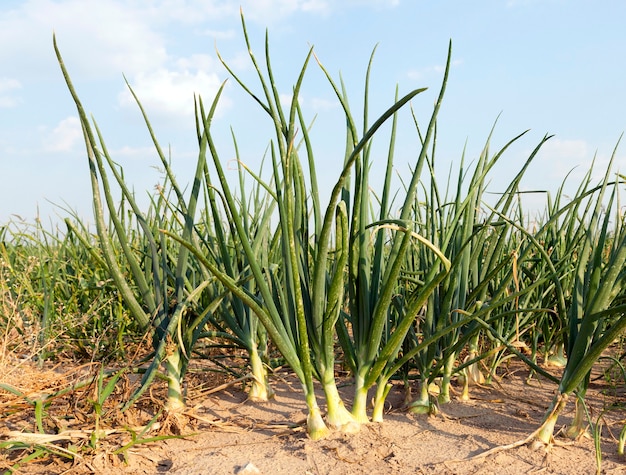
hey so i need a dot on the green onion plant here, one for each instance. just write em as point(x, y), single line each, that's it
point(158, 282)
point(300, 300)
point(595, 313)
point(372, 331)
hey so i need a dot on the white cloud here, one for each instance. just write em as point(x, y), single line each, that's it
point(220, 34)
point(375, 3)
point(189, 11)
point(418, 74)
point(571, 158)
point(64, 136)
point(127, 151)
point(270, 9)
point(315, 6)
point(314, 104)
point(285, 99)
point(96, 38)
point(239, 62)
point(169, 92)
point(269, 12)
point(104, 38)
point(558, 157)
point(565, 163)
point(7, 86)
point(321, 104)
point(573, 151)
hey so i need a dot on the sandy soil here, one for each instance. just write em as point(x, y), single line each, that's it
point(235, 436)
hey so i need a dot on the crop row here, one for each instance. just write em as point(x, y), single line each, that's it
point(422, 282)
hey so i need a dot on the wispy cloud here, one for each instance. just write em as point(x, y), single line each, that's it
point(560, 157)
point(572, 150)
point(127, 151)
point(220, 34)
point(98, 39)
point(170, 91)
point(376, 3)
point(64, 137)
point(570, 158)
point(270, 12)
point(7, 88)
point(422, 73)
point(321, 104)
point(314, 104)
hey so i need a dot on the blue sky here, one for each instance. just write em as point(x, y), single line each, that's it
point(552, 66)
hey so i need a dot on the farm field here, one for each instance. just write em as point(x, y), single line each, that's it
point(225, 432)
point(247, 323)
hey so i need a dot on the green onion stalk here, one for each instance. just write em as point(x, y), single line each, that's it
point(165, 297)
point(374, 265)
point(277, 301)
point(303, 312)
point(235, 321)
point(299, 300)
point(561, 236)
point(281, 298)
point(480, 271)
point(596, 314)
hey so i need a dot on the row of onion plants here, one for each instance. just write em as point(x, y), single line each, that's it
point(445, 287)
point(56, 298)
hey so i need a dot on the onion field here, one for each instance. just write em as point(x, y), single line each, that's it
point(426, 285)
